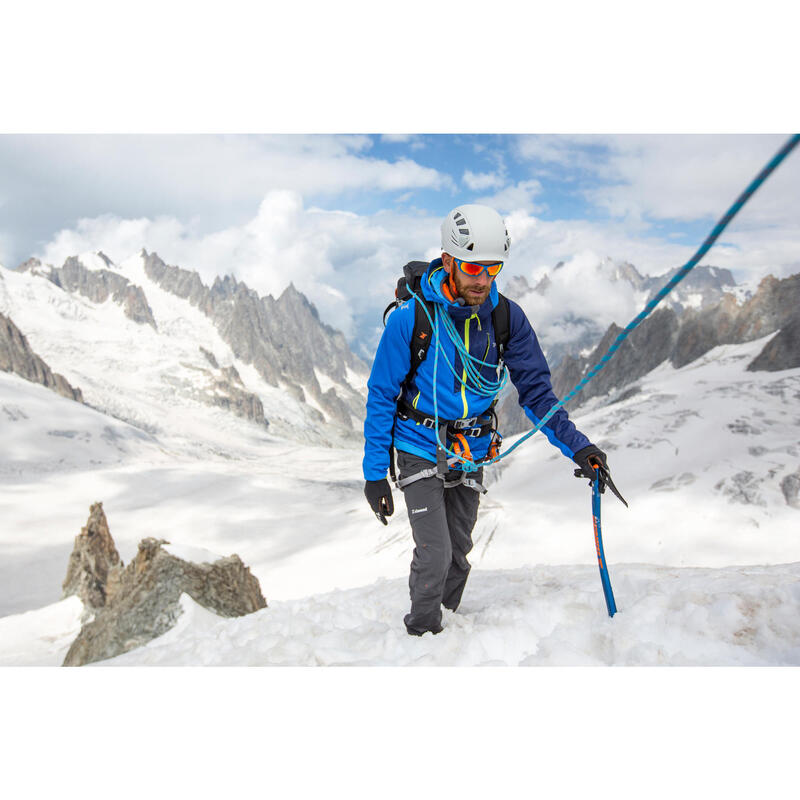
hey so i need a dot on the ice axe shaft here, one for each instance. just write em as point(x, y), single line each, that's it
point(601, 556)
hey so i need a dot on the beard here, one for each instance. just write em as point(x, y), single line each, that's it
point(474, 293)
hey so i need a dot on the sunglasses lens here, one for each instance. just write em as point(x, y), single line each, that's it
point(470, 268)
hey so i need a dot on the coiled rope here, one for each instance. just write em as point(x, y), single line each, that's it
point(470, 466)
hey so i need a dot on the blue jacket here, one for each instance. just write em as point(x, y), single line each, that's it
point(523, 356)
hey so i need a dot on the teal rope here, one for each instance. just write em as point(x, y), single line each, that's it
point(470, 466)
point(787, 148)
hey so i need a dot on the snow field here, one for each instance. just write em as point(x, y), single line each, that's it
point(699, 453)
point(539, 616)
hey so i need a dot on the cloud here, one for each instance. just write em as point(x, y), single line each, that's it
point(347, 264)
point(580, 288)
point(673, 177)
point(515, 197)
point(413, 140)
point(215, 181)
point(479, 181)
point(538, 244)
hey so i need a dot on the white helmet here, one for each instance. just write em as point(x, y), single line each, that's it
point(475, 233)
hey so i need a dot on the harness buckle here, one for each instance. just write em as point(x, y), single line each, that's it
point(429, 422)
point(472, 432)
point(469, 422)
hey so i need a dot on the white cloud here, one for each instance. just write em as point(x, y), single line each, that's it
point(479, 181)
point(345, 263)
point(675, 177)
point(537, 245)
point(413, 140)
point(516, 197)
point(215, 181)
point(348, 264)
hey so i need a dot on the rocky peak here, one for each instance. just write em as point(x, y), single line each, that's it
point(17, 356)
point(94, 564)
point(142, 601)
point(283, 339)
point(99, 284)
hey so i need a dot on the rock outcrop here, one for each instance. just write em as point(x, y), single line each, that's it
point(227, 390)
point(17, 356)
point(780, 352)
point(94, 567)
point(137, 603)
point(97, 285)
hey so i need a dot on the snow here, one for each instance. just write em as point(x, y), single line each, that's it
point(197, 555)
point(41, 637)
point(535, 616)
point(704, 563)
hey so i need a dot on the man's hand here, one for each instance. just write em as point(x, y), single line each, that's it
point(379, 496)
point(585, 459)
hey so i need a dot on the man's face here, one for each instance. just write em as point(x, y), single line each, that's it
point(474, 290)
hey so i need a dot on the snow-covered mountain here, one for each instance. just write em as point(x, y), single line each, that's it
point(573, 304)
point(680, 337)
point(150, 344)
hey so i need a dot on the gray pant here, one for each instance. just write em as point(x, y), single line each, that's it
point(441, 523)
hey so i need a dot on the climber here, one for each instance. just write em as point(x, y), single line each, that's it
point(441, 497)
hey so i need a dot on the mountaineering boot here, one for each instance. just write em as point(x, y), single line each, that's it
point(415, 631)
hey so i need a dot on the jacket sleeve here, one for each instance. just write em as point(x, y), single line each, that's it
point(530, 374)
point(389, 369)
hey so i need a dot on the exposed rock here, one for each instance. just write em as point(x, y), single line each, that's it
point(99, 284)
point(790, 486)
point(283, 339)
point(146, 603)
point(702, 287)
point(210, 357)
point(94, 567)
point(780, 352)
point(681, 338)
point(16, 356)
point(238, 400)
point(225, 389)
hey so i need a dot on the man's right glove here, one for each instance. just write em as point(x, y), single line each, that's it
point(584, 458)
point(379, 496)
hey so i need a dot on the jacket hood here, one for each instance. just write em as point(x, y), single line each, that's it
point(432, 282)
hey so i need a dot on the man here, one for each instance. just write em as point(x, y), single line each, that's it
point(442, 499)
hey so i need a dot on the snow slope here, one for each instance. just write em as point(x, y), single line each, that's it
point(698, 452)
point(544, 615)
point(552, 613)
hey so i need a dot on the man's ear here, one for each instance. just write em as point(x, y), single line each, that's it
point(447, 262)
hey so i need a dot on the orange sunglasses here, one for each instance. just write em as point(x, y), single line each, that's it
point(473, 270)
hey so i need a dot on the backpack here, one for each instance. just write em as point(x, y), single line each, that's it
point(421, 337)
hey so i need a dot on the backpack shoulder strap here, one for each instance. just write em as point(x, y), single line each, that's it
point(501, 322)
point(420, 337)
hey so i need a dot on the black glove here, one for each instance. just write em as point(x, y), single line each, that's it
point(379, 496)
point(584, 459)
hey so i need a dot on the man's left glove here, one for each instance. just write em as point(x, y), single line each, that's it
point(379, 496)
point(584, 458)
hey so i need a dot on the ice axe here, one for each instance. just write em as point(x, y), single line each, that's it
point(602, 478)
